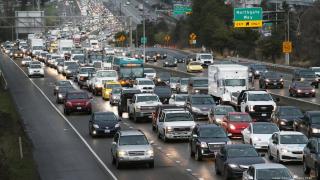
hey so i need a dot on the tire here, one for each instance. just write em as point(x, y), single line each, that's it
point(158, 134)
point(89, 112)
point(278, 158)
point(135, 118)
point(113, 160)
point(198, 156)
point(151, 164)
point(216, 169)
point(118, 164)
point(317, 86)
point(225, 174)
point(66, 112)
point(164, 138)
point(306, 169)
point(120, 113)
point(290, 94)
point(270, 157)
point(80, 86)
point(191, 152)
point(153, 128)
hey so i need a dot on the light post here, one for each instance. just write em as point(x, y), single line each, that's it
point(144, 37)
point(287, 55)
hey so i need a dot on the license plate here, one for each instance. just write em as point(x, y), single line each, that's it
point(307, 93)
point(274, 83)
point(78, 108)
point(150, 116)
point(263, 114)
point(107, 131)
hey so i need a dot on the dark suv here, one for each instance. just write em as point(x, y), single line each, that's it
point(125, 95)
point(306, 75)
point(310, 124)
point(206, 140)
point(271, 79)
point(311, 157)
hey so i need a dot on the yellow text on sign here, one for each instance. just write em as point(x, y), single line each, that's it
point(244, 24)
point(287, 47)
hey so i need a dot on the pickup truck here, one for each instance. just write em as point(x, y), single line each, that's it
point(83, 75)
point(259, 104)
point(102, 76)
point(142, 106)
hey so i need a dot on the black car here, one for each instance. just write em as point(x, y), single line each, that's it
point(311, 157)
point(61, 93)
point(232, 160)
point(206, 140)
point(164, 93)
point(151, 56)
point(191, 58)
point(285, 116)
point(200, 105)
point(310, 124)
point(198, 85)
point(180, 59)
point(257, 70)
point(169, 62)
point(162, 79)
point(306, 75)
point(125, 95)
point(71, 71)
point(61, 83)
point(271, 79)
point(103, 123)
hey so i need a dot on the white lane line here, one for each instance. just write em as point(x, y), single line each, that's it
point(74, 129)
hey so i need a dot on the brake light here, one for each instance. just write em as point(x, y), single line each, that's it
point(232, 127)
point(68, 104)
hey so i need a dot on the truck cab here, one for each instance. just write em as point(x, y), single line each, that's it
point(204, 58)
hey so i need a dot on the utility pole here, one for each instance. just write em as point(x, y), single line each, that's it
point(144, 37)
point(38, 5)
point(130, 32)
point(287, 55)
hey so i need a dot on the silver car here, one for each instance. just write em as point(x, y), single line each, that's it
point(267, 171)
point(131, 146)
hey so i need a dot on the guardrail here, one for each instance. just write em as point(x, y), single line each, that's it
point(3, 80)
point(284, 100)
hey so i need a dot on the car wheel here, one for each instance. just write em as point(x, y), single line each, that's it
point(158, 133)
point(80, 86)
point(151, 164)
point(198, 156)
point(118, 164)
point(217, 169)
point(317, 86)
point(113, 160)
point(269, 154)
point(306, 169)
point(120, 113)
point(225, 174)
point(66, 112)
point(57, 101)
point(191, 152)
point(290, 94)
point(278, 158)
point(164, 138)
point(89, 112)
point(153, 128)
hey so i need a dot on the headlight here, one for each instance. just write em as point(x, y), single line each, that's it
point(313, 90)
point(60, 95)
point(281, 79)
point(150, 152)
point(284, 150)
point(68, 71)
point(302, 79)
point(166, 62)
point(195, 109)
point(256, 139)
point(257, 72)
point(218, 120)
point(196, 91)
point(96, 126)
point(250, 74)
point(98, 85)
point(229, 142)
point(233, 165)
point(315, 130)
point(283, 122)
point(122, 153)
point(169, 129)
point(299, 91)
point(231, 126)
point(251, 108)
point(117, 125)
point(267, 80)
point(204, 145)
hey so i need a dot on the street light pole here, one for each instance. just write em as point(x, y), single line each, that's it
point(287, 55)
point(144, 37)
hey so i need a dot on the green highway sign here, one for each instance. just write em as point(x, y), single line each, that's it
point(247, 14)
point(143, 40)
point(181, 9)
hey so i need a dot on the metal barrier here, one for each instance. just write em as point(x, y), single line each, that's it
point(3, 80)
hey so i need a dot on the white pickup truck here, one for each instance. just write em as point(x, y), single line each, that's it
point(96, 83)
point(142, 106)
point(259, 104)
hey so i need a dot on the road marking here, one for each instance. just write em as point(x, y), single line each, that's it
point(70, 124)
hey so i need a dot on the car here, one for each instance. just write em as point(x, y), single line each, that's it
point(198, 85)
point(178, 99)
point(162, 79)
point(26, 61)
point(35, 70)
point(257, 70)
point(164, 93)
point(311, 157)
point(103, 123)
point(77, 101)
point(316, 71)
point(206, 141)
point(150, 73)
point(285, 116)
point(114, 96)
point(182, 85)
point(173, 81)
point(58, 64)
point(151, 56)
point(107, 88)
point(61, 93)
point(271, 79)
point(310, 124)
point(298, 89)
point(286, 146)
point(267, 171)
point(83, 75)
point(233, 159)
point(235, 122)
point(144, 84)
point(17, 53)
point(71, 70)
point(175, 124)
point(217, 113)
point(66, 65)
point(259, 133)
point(180, 59)
point(307, 76)
point(194, 67)
point(131, 146)
point(61, 83)
point(199, 105)
point(170, 62)
point(126, 94)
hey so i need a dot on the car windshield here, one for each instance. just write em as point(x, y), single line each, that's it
point(171, 117)
point(174, 80)
point(86, 70)
point(66, 63)
point(315, 119)
point(64, 89)
point(259, 67)
point(242, 152)
point(259, 97)
point(272, 75)
point(293, 139)
point(200, 83)
point(116, 91)
point(105, 117)
point(273, 173)
point(215, 132)
point(133, 140)
point(63, 83)
point(78, 57)
point(131, 72)
point(194, 63)
point(202, 100)
point(240, 118)
point(106, 74)
point(111, 86)
point(37, 47)
point(35, 66)
point(307, 73)
point(291, 112)
point(184, 81)
point(146, 82)
point(264, 128)
point(162, 90)
point(78, 96)
point(223, 110)
point(206, 56)
point(303, 84)
point(181, 98)
point(147, 98)
point(235, 82)
point(149, 71)
point(73, 66)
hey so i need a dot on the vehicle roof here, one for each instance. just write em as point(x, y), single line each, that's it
point(313, 112)
point(207, 126)
point(75, 91)
point(290, 133)
point(199, 95)
point(197, 78)
point(257, 92)
point(234, 146)
point(105, 112)
point(268, 166)
point(170, 111)
point(222, 106)
point(143, 79)
point(237, 113)
point(294, 107)
point(233, 66)
point(131, 132)
point(146, 94)
point(263, 123)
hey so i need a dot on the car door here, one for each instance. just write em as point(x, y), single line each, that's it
point(307, 154)
point(303, 124)
point(313, 154)
point(247, 134)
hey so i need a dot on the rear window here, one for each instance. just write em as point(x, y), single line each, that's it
point(78, 96)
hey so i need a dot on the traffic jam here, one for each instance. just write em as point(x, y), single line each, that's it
point(227, 117)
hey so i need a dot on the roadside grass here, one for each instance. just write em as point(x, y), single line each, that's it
point(12, 167)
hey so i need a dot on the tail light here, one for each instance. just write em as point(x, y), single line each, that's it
point(68, 104)
point(88, 103)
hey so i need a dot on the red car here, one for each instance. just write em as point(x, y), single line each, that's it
point(301, 89)
point(234, 122)
point(77, 101)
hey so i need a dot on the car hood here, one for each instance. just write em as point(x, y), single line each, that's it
point(261, 103)
point(262, 137)
point(241, 125)
point(205, 107)
point(290, 118)
point(103, 124)
point(214, 140)
point(180, 123)
point(149, 103)
point(293, 147)
point(135, 147)
point(246, 160)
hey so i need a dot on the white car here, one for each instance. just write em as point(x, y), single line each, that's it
point(150, 73)
point(35, 70)
point(259, 133)
point(145, 85)
point(287, 146)
point(267, 171)
point(25, 61)
point(100, 78)
point(178, 99)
